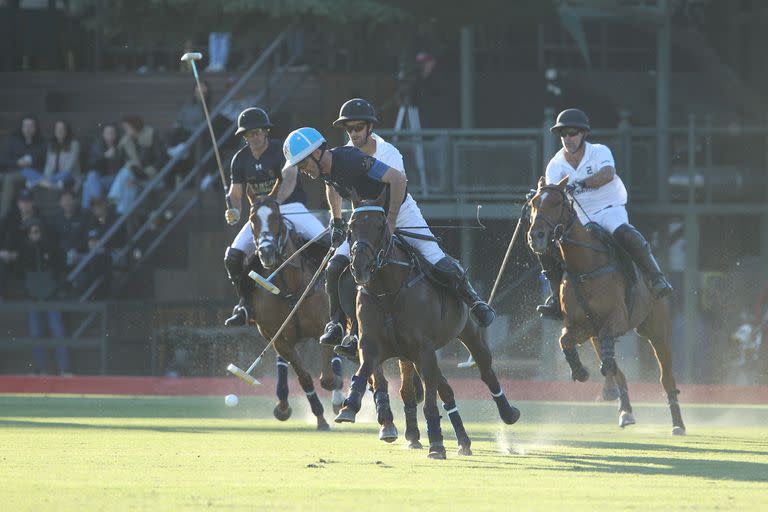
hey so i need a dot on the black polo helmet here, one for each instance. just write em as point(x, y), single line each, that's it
point(571, 118)
point(252, 118)
point(356, 109)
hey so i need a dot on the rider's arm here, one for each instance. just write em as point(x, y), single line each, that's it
point(235, 195)
point(397, 183)
point(601, 177)
point(285, 185)
point(334, 201)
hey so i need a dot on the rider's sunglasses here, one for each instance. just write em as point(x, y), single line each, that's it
point(569, 132)
point(350, 128)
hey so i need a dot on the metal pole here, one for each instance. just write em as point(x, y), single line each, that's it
point(691, 272)
point(467, 77)
point(663, 57)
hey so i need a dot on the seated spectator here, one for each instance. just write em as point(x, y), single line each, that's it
point(42, 265)
point(12, 234)
point(104, 161)
point(25, 150)
point(144, 158)
point(69, 226)
point(62, 163)
point(188, 119)
point(101, 217)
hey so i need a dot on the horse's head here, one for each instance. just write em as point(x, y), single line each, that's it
point(269, 231)
point(551, 213)
point(369, 238)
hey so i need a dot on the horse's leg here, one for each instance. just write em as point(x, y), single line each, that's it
point(368, 363)
point(449, 404)
point(568, 346)
point(408, 394)
point(474, 341)
point(608, 366)
point(430, 371)
point(289, 352)
point(611, 387)
point(387, 431)
point(657, 328)
point(282, 409)
point(330, 376)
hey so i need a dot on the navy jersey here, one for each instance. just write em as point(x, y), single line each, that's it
point(260, 175)
point(355, 175)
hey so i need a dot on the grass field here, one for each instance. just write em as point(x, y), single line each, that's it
point(119, 453)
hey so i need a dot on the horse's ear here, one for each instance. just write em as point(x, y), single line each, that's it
point(541, 182)
point(563, 182)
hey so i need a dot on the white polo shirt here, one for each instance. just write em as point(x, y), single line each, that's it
point(593, 200)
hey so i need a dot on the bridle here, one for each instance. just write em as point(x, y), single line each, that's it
point(267, 238)
point(380, 256)
point(563, 227)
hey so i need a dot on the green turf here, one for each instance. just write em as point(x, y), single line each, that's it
point(82, 453)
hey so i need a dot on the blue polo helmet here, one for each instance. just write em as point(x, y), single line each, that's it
point(300, 144)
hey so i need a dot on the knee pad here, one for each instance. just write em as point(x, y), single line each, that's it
point(332, 273)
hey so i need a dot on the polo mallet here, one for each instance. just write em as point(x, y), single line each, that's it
point(470, 362)
point(191, 57)
point(246, 375)
point(267, 283)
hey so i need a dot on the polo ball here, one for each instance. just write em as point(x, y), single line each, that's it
point(231, 400)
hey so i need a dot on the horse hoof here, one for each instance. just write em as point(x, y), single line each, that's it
point(581, 375)
point(323, 426)
point(511, 415)
point(464, 450)
point(626, 419)
point(436, 452)
point(611, 393)
point(678, 431)
point(282, 414)
point(345, 416)
point(415, 445)
point(388, 433)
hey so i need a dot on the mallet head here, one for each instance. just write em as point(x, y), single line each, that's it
point(191, 56)
point(240, 374)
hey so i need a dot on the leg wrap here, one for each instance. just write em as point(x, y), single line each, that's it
point(355, 395)
point(314, 402)
point(383, 410)
point(608, 356)
point(572, 357)
point(411, 423)
point(458, 424)
point(336, 365)
point(434, 432)
point(282, 379)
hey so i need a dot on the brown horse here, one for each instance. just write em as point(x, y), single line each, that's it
point(401, 314)
point(593, 295)
point(275, 242)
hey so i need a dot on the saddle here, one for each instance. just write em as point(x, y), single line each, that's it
point(622, 258)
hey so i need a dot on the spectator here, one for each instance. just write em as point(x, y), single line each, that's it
point(144, 157)
point(42, 264)
point(189, 117)
point(104, 161)
point(69, 226)
point(101, 218)
point(12, 234)
point(25, 150)
point(62, 163)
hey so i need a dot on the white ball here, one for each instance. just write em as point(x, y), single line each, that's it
point(231, 400)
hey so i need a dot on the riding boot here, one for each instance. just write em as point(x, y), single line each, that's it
point(451, 271)
point(551, 269)
point(234, 263)
point(632, 241)
point(334, 329)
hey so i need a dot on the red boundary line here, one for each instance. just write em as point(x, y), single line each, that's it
point(464, 388)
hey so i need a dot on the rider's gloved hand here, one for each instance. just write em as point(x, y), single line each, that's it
point(232, 215)
point(338, 232)
point(576, 186)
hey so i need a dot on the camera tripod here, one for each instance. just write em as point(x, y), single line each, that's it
point(410, 113)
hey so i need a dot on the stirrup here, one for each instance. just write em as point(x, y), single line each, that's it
point(239, 317)
point(483, 312)
point(660, 287)
point(550, 309)
point(348, 347)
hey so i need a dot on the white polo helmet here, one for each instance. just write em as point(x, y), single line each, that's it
point(300, 144)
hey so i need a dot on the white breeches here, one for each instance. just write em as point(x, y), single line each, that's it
point(609, 218)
